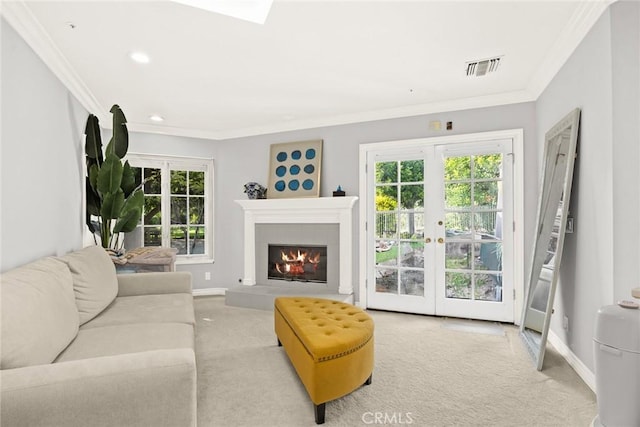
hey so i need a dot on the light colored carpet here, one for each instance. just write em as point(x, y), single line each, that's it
point(425, 374)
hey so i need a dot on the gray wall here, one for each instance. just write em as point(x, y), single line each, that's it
point(600, 260)
point(41, 155)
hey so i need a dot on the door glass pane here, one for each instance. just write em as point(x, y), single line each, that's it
point(386, 172)
point(458, 255)
point(412, 171)
point(386, 225)
point(386, 252)
point(457, 222)
point(411, 225)
point(458, 285)
point(457, 195)
point(412, 282)
point(411, 196)
point(387, 280)
point(456, 168)
point(488, 287)
point(412, 254)
point(487, 166)
point(485, 194)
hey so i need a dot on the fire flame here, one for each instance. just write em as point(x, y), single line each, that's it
point(293, 263)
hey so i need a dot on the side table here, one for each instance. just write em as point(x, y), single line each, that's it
point(146, 259)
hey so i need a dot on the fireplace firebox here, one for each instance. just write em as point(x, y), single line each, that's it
point(300, 263)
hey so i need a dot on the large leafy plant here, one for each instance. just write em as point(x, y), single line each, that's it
point(112, 193)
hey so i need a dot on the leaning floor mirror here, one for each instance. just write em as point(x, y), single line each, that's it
point(553, 209)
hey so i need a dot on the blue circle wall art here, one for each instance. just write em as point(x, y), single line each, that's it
point(294, 169)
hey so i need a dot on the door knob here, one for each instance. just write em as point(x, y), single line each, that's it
point(427, 240)
point(440, 240)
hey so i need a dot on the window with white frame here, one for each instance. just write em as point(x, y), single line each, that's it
point(178, 205)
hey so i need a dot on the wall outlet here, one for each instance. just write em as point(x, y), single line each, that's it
point(207, 275)
point(565, 323)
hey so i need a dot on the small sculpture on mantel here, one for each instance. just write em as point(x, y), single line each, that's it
point(339, 192)
point(255, 190)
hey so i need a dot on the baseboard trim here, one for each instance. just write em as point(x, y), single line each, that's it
point(208, 291)
point(581, 369)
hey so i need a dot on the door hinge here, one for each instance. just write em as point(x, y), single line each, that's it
point(514, 226)
point(514, 294)
point(366, 225)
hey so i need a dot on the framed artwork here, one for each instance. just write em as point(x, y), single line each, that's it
point(294, 169)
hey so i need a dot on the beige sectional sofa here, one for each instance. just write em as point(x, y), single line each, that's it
point(82, 346)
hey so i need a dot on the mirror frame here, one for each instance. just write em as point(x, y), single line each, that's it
point(534, 326)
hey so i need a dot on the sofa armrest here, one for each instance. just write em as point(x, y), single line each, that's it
point(154, 283)
point(153, 388)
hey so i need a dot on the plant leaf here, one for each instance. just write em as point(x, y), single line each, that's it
point(112, 205)
point(93, 200)
point(109, 176)
point(93, 141)
point(128, 183)
point(120, 141)
point(131, 213)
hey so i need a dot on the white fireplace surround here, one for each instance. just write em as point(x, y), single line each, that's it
point(322, 210)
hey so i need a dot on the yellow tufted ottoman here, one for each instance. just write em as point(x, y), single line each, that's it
point(329, 343)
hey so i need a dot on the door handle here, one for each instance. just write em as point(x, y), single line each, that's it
point(427, 240)
point(440, 240)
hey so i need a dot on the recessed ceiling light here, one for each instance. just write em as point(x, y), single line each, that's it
point(139, 57)
point(156, 118)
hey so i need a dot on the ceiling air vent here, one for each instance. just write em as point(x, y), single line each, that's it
point(482, 67)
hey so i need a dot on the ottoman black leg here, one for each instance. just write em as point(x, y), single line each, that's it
point(279, 343)
point(368, 381)
point(319, 410)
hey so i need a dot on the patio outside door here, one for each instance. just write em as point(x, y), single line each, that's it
point(439, 244)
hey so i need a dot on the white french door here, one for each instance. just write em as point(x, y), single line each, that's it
point(439, 233)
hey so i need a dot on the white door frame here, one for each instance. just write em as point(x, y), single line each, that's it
point(517, 135)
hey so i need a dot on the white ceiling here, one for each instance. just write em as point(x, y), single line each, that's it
point(313, 63)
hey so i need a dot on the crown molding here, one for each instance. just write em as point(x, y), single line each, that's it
point(506, 98)
point(18, 15)
point(583, 19)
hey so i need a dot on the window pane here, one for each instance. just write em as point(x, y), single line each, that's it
point(196, 240)
point(152, 213)
point(179, 239)
point(412, 254)
point(386, 252)
point(178, 210)
point(178, 182)
point(412, 282)
point(196, 183)
point(152, 236)
point(386, 225)
point(152, 181)
point(137, 175)
point(386, 198)
point(458, 255)
point(196, 210)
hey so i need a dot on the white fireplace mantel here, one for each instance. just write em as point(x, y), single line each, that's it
point(322, 210)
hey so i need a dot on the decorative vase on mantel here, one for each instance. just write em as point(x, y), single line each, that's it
point(255, 191)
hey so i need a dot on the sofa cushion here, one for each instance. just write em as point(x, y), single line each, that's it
point(163, 308)
point(125, 339)
point(39, 314)
point(94, 280)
